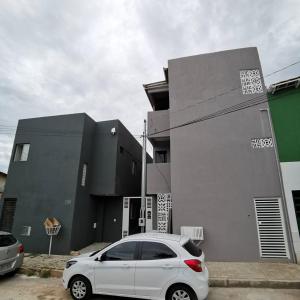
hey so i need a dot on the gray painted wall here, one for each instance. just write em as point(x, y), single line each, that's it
point(49, 183)
point(45, 185)
point(158, 121)
point(158, 178)
point(215, 174)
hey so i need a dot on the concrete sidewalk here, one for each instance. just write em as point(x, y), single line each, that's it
point(222, 274)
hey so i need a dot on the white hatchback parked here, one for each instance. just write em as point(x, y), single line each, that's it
point(149, 266)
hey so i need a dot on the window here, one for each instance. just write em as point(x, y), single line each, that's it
point(192, 249)
point(7, 240)
point(161, 156)
point(21, 152)
point(84, 171)
point(121, 149)
point(124, 251)
point(154, 251)
point(133, 167)
point(25, 231)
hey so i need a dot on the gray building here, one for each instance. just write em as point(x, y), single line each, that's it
point(218, 165)
point(76, 170)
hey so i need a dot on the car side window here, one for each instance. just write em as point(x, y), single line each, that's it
point(124, 251)
point(154, 251)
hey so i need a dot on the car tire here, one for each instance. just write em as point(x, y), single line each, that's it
point(180, 291)
point(80, 288)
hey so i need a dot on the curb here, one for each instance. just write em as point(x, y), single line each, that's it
point(213, 282)
point(254, 283)
point(43, 273)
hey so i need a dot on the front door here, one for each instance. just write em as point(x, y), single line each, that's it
point(112, 219)
point(157, 266)
point(115, 273)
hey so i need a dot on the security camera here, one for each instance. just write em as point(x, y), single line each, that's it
point(113, 131)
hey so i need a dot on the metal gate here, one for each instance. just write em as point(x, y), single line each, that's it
point(126, 214)
point(271, 228)
point(8, 214)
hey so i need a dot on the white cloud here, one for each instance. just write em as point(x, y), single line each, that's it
point(64, 56)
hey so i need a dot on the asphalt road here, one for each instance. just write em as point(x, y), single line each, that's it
point(21, 287)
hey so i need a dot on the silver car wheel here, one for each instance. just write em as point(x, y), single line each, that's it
point(79, 289)
point(180, 295)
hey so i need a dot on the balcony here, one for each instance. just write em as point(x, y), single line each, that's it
point(158, 178)
point(158, 121)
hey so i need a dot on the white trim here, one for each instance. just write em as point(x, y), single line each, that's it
point(291, 181)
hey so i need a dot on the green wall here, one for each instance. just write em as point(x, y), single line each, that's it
point(285, 112)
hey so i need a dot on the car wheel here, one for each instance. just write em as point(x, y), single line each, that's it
point(181, 292)
point(80, 288)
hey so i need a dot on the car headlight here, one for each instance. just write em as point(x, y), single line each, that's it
point(70, 263)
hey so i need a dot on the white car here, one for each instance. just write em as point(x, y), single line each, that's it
point(148, 266)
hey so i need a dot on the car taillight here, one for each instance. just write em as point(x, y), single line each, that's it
point(21, 248)
point(194, 264)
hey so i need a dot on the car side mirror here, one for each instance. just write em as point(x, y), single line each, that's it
point(101, 258)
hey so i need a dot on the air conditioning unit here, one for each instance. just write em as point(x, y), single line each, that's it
point(194, 233)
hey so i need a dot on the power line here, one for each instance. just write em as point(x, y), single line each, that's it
point(11, 130)
point(230, 90)
point(231, 109)
point(227, 110)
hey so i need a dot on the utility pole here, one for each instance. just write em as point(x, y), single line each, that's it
point(143, 189)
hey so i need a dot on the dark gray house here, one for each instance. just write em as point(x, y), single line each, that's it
point(76, 170)
point(217, 168)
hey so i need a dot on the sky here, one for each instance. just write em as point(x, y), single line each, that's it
point(61, 57)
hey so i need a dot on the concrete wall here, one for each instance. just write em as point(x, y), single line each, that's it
point(49, 183)
point(83, 232)
point(103, 169)
point(158, 178)
point(45, 185)
point(215, 174)
point(158, 121)
point(128, 184)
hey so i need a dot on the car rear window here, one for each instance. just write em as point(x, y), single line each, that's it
point(7, 240)
point(192, 249)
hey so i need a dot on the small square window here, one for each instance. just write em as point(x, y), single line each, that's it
point(26, 231)
point(161, 156)
point(84, 172)
point(21, 152)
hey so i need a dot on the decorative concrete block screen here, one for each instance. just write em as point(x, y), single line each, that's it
point(251, 82)
point(164, 204)
point(258, 143)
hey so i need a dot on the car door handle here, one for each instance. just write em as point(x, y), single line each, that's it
point(126, 266)
point(167, 266)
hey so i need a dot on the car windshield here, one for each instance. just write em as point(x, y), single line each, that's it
point(192, 249)
point(7, 240)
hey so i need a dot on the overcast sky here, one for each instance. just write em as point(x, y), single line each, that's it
point(59, 57)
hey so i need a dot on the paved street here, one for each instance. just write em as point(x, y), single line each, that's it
point(33, 288)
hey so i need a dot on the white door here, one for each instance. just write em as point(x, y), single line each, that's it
point(158, 265)
point(115, 273)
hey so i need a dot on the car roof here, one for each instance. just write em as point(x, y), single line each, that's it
point(4, 233)
point(159, 236)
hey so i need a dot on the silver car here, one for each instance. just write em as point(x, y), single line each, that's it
point(11, 253)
